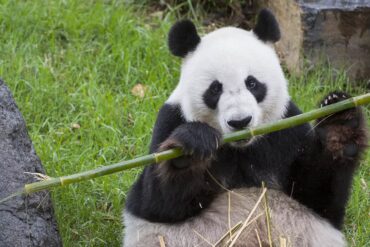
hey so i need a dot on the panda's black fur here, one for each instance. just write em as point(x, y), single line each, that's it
point(282, 147)
point(313, 166)
point(183, 39)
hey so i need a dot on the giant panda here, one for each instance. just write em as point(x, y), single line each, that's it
point(231, 79)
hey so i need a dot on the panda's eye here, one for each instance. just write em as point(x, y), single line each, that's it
point(212, 95)
point(257, 88)
point(216, 87)
point(251, 82)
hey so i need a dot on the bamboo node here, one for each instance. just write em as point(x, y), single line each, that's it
point(252, 132)
point(355, 102)
point(156, 159)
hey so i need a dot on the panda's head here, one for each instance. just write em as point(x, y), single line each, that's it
point(230, 78)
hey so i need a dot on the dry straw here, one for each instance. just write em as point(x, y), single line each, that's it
point(50, 182)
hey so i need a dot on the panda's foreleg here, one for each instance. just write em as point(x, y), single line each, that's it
point(322, 179)
point(177, 189)
point(183, 180)
point(343, 135)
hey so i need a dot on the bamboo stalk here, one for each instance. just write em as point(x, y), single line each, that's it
point(174, 153)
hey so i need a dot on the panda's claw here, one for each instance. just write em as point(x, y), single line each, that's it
point(334, 97)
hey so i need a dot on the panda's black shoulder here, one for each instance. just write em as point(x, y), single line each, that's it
point(298, 136)
point(169, 117)
point(301, 130)
point(292, 110)
point(288, 141)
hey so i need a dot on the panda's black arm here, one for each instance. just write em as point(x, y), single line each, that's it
point(169, 118)
point(319, 185)
point(157, 195)
point(321, 178)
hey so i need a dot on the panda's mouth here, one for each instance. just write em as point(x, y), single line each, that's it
point(242, 143)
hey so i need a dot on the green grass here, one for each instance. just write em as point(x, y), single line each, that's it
point(70, 62)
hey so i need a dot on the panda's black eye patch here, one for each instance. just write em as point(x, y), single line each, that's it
point(257, 88)
point(212, 94)
point(216, 87)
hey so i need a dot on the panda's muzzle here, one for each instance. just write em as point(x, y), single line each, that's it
point(239, 124)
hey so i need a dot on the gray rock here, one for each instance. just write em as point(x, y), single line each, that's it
point(337, 31)
point(24, 220)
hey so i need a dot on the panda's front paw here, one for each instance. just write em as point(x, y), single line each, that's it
point(198, 141)
point(343, 134)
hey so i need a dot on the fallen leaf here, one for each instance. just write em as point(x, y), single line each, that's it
point(75, 126)
point(139, 90)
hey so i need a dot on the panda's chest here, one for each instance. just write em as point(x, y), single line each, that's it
point(245, 169)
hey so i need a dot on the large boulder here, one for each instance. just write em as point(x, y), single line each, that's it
point(24, 220)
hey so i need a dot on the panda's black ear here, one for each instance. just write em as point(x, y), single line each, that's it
point(267, 28)
point(183, 38)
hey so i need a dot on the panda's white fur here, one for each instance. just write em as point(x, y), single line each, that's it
point(289, 221)
point(231, 54)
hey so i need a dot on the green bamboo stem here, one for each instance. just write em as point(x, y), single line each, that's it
point(174, 153)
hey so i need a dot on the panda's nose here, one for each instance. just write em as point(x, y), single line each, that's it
point(239, 124)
